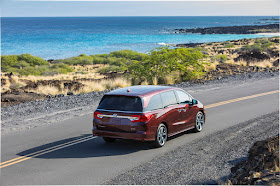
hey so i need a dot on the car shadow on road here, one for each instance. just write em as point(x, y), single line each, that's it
point(89, 147)
point(94, 147)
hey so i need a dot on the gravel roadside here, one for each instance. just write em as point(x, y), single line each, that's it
point(38, 113)
point(203, 161)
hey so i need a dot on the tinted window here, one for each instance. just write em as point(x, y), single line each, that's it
point(168, 98)
point(154, 104)
point(183, 97)
point(122, 103)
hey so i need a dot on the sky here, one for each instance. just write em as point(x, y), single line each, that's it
point(25, 8)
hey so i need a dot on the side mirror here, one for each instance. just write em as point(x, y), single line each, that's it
point(194, 101)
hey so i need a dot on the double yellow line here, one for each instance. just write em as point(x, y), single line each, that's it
point(240, 99)
point(83, 139)
point(44, 151)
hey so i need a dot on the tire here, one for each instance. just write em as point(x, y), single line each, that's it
point(199, 122)
point(109, 140)
point(161, 136)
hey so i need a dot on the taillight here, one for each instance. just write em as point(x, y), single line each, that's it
point(141, 118)
point(97, 115)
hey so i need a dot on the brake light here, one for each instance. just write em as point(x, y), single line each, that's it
point(97, 115)
point(141, 118)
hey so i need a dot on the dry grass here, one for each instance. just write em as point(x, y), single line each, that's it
point(169, 79)
point(90, 86)
point(6, 87)
point(80, 72)
point(155, 81)
point(104, 84)
point(265, 63)
point(48, 89)
point(145, 82)
point(17, 82)
point(212, 66)
point(14, 79)
point(11, 83)
point(240, 62)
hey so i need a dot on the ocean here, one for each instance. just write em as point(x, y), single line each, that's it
point(62, 37)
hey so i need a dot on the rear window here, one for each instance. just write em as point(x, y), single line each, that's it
point(121, 103)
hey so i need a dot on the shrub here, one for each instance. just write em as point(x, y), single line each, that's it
point(256, 48)
point(163, 61)
point(128, 54)
point(29, 71)
point(110, 69)
point(26, 64)
point(222, 58)
point(262, 40)
point(32, 60)
point(15, 62)
point(8, 61)
point(79, 60)
point(230, 45)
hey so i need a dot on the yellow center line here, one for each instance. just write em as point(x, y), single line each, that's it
point(240, 99)
point(29, 157)
point(70, 142)
point(80, 140)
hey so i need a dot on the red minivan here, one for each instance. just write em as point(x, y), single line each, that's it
point(148, 113)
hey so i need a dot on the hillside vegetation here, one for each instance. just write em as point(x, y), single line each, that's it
point(137, 66)
point(87, 73)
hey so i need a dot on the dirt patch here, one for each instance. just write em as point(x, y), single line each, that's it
point(253, 57)
point(225, 70)
point(59, 84)
point(13, 98)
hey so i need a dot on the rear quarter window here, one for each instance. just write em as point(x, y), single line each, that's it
point(154, 104)
point(121, 103)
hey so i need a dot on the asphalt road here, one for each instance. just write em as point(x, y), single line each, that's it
point(66, 153)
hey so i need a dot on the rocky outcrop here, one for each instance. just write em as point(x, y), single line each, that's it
point(253, 29)
point(261, 167)
point(224, 70)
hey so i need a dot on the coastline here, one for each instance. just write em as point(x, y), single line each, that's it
point(245, 29)
point(269, 34)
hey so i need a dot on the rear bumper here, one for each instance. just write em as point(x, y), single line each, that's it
point(139, 135)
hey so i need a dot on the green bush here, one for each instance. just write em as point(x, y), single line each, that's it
point(96, 59)
point(8, 62)
point(32, 60)
point(15, 63)
point(110, 69)
point(163, 61)
point(128, 54)
point(230, 45)
point(79, 60)
point(222, 58)
point(262, 40)
point(26, 64)
point(256, 48)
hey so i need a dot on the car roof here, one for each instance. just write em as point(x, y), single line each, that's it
point(140, 90)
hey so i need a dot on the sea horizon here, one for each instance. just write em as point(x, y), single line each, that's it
point(62, 37)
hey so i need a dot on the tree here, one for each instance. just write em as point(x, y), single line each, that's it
point(163, 61)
